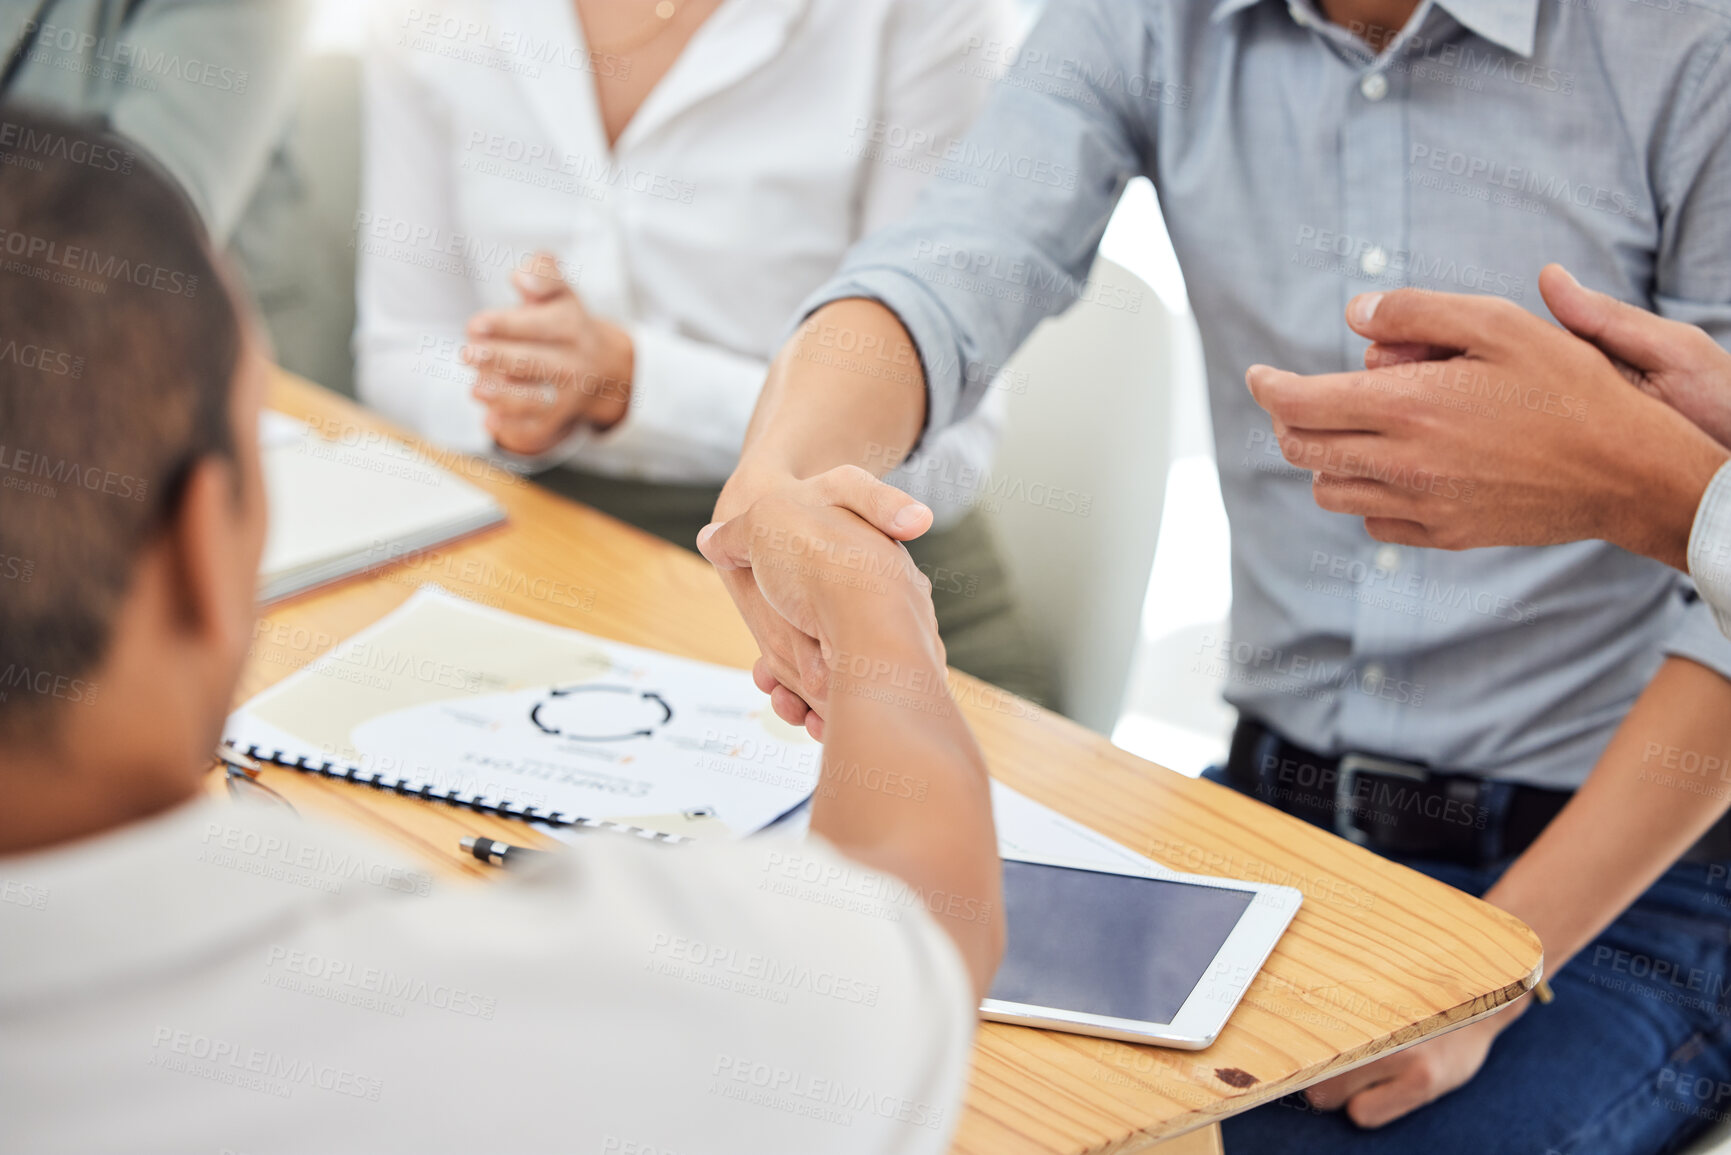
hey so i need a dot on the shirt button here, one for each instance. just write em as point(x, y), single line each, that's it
point(1374, 87)
point(1372, 679)
point(1388, 559)
point(1374, 261)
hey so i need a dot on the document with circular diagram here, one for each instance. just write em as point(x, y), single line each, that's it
point(461, 702)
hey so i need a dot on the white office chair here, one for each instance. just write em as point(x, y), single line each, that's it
point(1088, 415)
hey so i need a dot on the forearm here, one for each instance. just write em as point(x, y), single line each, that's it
point(904, 787)
point(1629, 822)
point(846, 390)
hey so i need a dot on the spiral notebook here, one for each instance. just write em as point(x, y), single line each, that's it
point(338, 509)
point(451, 701)
point(556, 820)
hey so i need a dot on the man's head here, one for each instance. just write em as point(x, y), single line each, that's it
point(131, 502)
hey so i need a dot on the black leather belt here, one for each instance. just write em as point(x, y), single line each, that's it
point(1390, 806)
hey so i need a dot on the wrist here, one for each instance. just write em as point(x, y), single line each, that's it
point(1669, 481)
point(887, 645)
point(751, 479)
point(617, 363)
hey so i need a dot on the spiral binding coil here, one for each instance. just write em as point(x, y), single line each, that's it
point(329, 769)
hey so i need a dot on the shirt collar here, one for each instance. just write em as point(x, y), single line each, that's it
point(736, 40)
point(1225, 8)
point(1510, 24)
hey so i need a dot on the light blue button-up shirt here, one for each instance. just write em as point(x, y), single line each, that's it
point(1297, 168)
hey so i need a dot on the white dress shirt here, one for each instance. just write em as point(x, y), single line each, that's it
point(1710, 547)
point(775, 140)
point(232, 978)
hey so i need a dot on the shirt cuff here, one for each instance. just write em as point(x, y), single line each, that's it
point(927, 322)
point(685, 420)
point(1710, 547)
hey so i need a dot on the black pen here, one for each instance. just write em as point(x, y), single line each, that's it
point(496, 853)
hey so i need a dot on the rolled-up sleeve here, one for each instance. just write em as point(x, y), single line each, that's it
point(1005, 235)
point(690, 403)
point(1710, 548)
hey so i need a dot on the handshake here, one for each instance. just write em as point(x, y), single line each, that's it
point(817, 568)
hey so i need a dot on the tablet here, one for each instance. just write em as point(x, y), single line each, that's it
point(1146, 958)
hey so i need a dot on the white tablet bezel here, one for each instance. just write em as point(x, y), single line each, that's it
point(1197, 1023)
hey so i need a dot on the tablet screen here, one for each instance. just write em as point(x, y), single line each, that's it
point(1109, 944)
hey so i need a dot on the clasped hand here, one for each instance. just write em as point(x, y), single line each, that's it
point(1476, 423)
point(805, 558)
point(547, 366)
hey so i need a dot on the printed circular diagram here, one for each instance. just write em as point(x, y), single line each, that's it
point(600, 713)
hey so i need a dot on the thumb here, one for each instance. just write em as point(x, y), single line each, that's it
point(1631, 335)
point(724, 546)
point(542, 280)
point(892, 512)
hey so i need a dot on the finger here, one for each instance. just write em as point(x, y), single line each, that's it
point(779, 643)
point(1342, 454)
point(724, 548)
point(543, 279)
point(891, 511)
point(532, 361)
point(552, 321)
point(1384, 1102)
point(763, 676)
point(788, 706)
point(1628, 333)
point(528, 409)
point(1331, 401)
point(515, 400)
point(814, 725)
point(526, 437)
point(524, 443)
point(1399, 531)
point(1360, 497)
point(1381, 356)
point(1423, 317)
point(1332, 1094)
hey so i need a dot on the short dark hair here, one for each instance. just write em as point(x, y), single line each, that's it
point(119, 344)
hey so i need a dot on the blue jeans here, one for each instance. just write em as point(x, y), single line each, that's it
point(1633, 1057)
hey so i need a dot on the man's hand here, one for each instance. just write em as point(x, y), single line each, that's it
point(1675, 362)
point(814, 554)
point(1383, 1091)
point(547, 366)
point(1520, 434)
point(793, 670)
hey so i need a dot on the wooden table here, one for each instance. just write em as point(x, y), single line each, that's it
point(1378, 958)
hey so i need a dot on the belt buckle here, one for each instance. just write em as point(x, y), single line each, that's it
point(1348, 770)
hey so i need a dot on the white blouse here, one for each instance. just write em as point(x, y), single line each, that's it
point(786, 130)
